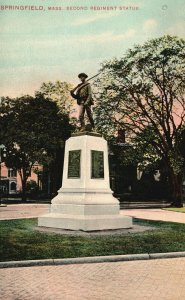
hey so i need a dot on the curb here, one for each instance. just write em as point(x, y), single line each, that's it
point(86, 260)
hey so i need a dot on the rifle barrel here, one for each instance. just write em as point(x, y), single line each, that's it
point(93, 76)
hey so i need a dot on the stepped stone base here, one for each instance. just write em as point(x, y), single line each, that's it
point(85, 223)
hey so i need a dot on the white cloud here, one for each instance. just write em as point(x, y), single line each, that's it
point(68, 41)
point(94, 18)
point(149, 25)
point(105, 37)
point(110, 36)
point(177, 29)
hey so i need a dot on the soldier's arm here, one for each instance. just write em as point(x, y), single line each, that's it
point(73, 90)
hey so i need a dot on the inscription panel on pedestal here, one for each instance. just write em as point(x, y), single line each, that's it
point(74, 162)
point(97, 164)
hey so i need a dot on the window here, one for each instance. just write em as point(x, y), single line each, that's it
point(12, 173)
point(13, 186)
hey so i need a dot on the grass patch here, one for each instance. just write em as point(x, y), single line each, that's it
point(180, 209)
point(19, 241)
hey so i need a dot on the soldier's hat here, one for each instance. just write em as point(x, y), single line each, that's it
point(82, 75)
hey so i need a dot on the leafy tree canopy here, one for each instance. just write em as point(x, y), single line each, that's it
point(58, 92)
point(143, 92)
point(31, 129)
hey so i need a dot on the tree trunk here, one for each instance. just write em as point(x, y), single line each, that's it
point(24, 190)
point(176, 181)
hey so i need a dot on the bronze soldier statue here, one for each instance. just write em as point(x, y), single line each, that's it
point(84, 99)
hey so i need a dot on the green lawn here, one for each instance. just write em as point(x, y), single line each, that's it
point(19, 241)
point(181, 209)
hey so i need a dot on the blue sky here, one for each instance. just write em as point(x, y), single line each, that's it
point(38, 46)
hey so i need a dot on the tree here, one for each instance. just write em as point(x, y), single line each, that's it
point(143, 92)
point(59, 92)
point(32, 129)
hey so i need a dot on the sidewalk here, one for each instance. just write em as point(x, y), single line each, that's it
point(162, 279)
point(155, 214)
point(19, 211)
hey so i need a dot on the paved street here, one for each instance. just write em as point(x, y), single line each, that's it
point(162, 279)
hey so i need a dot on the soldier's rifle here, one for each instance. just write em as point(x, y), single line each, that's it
point(93, 76)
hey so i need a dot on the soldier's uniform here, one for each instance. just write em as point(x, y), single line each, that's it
point(84, 100)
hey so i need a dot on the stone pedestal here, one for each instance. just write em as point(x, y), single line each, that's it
point(85, 201)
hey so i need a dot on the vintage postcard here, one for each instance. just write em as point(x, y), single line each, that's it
point(92, 149)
